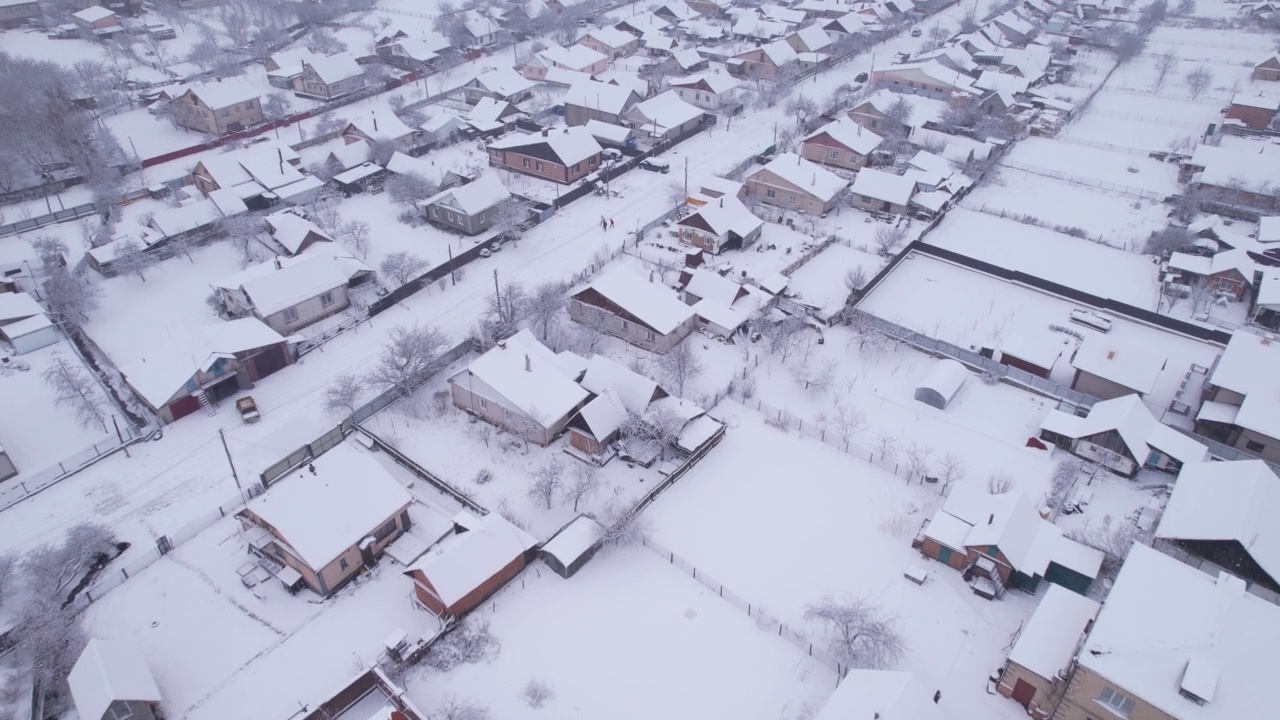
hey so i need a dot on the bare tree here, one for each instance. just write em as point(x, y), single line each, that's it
point(243, 232)
point(537, 693)
point(860, 634)
point(969, 20)
point(622, 526)
point(815, 377)
point(953, 468)
point(71, 297)
point(888, 237)
point(7, 563)
point(276, 109)
point(402, 266)
point(1165, 63)
point(1113, 542)
point(855, 278)
point(410, 188)
point(999, 482)
point(74, 388)
point(409, 357)
point(936, 36)
point(1064, 476)
point(546, 306)
point(783, 337)
point(355, 235)
point(585, 483)
point(1198, 80)
point(918, 460)
point(50, 249)
point(589, 331)
point(848, 421)
point(1199, 294)
point(1169, 240)
point(510, 218)
point(886, 447)
point(802, 108)
point(343, 393)
point(1128, 46)
point(456, 708)
point(660, 427)
point(547, 479)
point(680, 366)
point(129, 258)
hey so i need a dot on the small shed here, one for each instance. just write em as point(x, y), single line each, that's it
point(111, 680)
point(572, 546)
point(942, 383)
point(30, 334)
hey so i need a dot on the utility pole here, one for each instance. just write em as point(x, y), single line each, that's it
point(234, 475)
point(497, 295)
point(453, 278)
point(686, 176)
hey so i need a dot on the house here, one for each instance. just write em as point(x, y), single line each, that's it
point(501, 83)
point(687, 60)
point(16, 13)
point(259, 176)
point(469, 208)
point(1107, 367)
point(1032, 348)
point(757, 30)
point(372, 128)
point(874, 112)
point(1175, 642)
point(284, 69)
point(111, 681)
point(611, 42)
point(24, 324)
point(522, 386)
point(659, 45)
point(7, 468)
point(1039, 666)
point(624, 305)
point(624, 78)
point(369, 692)
point(328, 521)
point(1253, 111)
point(1267, 302)
point(763, 62)
point(1233, 177)
point(479, 31)
point(930, 78)
point(289, 294)
point(198, 369)
point(331, 77)
point(1122, 436)
point(575, 58)
point(723, 306)
point(572, 546)
point(882, 694)
point(220, 107)
point(793, 183)
point(841, 143)
point(1240, 408)
point(723, 224)
point(469, 567)
point(710, 8)
point(810, 39)
point(879, 191)
point(591, 100)
point(664, 117)
point(1228, 273)
point(96, 17)
point(294, 232)
point(564, 157)
point(618, 393)
point(643, 24)
point(609, 135)
point(676, 11)
point(1223, 513)
point(1002, 540)
point(709, 91)
point(845, 25)
point(1268, 69)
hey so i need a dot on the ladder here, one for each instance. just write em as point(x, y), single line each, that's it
point(205, 402)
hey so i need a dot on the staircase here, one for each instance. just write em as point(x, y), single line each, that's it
point(995, 580)
point(205, 402)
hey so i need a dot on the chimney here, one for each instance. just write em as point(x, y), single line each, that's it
point(544, 132)
point(721, 202)
point(278, 265)
point(991, 518)
point(528, 366)
point(1111, 354)
point(502, 344)
point(375, 123)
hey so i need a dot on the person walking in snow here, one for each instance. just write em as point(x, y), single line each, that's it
point(603, 224)
point(610, 222)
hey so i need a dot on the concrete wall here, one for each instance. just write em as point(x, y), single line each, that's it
point(1270, 446)
point(630, 331)
point(457, 220)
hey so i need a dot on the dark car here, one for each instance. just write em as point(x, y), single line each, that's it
point(656, 165)
point(860, 77)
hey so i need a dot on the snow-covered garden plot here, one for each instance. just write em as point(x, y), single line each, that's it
point(823, 281)
point(1094, 167)
point(1081, 264)
point(967, 308)
point(629, 637)
point(27, 431)
point(191, 604)
point(387, 235)
point(1104, 216)
point(146, 136)
point(784, 521)
point(1101, 129)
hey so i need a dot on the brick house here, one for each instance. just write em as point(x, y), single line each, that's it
point(331, 77)
point(625, 305)
point(16, 13)
point(467, 568)
point(1256, 112)
point(1036, 671)
point(764, 62)
point(879, 191)
point(96, 17)
point(1268, 69)
point(722, 224)
point(218, 108)
point(564, 157)
point(841, 143)
point(793, 183)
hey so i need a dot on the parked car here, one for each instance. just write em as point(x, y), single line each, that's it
point(611, 154)
point(656, 165)
point(916, 32)
point(860, 77)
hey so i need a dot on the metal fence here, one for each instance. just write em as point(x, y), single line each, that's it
point(423, 474)
point(15, 491)
point(58, 216)
point(1086, 181)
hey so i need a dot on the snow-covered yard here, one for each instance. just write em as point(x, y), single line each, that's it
point(627, 637)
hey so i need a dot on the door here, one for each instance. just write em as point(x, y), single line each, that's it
point(944, 556)
point(1023, 692)
point(185, 406)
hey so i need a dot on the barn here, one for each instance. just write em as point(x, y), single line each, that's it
point(573, 546)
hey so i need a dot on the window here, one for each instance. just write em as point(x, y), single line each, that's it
point(508, 414)
point(1116, 702)
point(592, 161)
point(383, 532)
point(435, 212)
point(342, 563)
point(770, 193)
point(577, 167)
point(875, 124)
point(648, 335)
point(835, 155)
point(484, 404)
point(791, 200)
point(1252, 446)
point(291, 314)
point(120, 711)
point(911, 83)
point(452, 217)
point(539, 167)
point(525, 162)
point(225, 112)
point(480, 218)
point(326, 299)
point(626, 325)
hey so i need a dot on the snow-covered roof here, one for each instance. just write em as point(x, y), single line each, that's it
point(653, 305)
point(1227, 501)
point(1048, 643)
point(1164, 619)
point(1228, 167)
point(323, 514)
point(1034, 343)
point(18, 306)
point(1248, 367)
point(847, 24)
point(664, 111)
point(1077, 556)
point(813, 37)
point(612, 99)
point(760, 29)
point(529, 376)
point(697, 432)
point(1132, 366)
point(456, 567)
point(1269, 229)
point(357, 173)
point(158, 375)
point(610, 37)
point(574, 540)
point(714, 81)
point(885, 186)
point(817, 181)
point(504, 81)
point(1256, 101)
point(93, 14)
point(946, 377)
point(608, 132)
point(935, 71)
point(107, 671)
point(1001, 82)
point(376, 126)
point(624, 78)
point(634, 390)
point(687, 58)
point(712, 286)
point(574, 57)
point(291, 230)
point(289, 62)
point(604, 415)
point(883, 694)
point(1131, 419)
point(849, 134)
point(225, 92)
point(1234, 259)
point(175, 221)
point(779, 52)
point(295, 283)
point(473, 198)
point(644, 23)
point(21, 328)
point(570, 146)
point(1269, 289)
point(335, 68)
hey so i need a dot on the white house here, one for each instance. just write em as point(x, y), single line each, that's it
point(708, 90)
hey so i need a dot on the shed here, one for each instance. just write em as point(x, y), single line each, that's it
point(464, 571)
point(942, 383)
point(111, 680)
point(30, 334)
point(572, 546)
